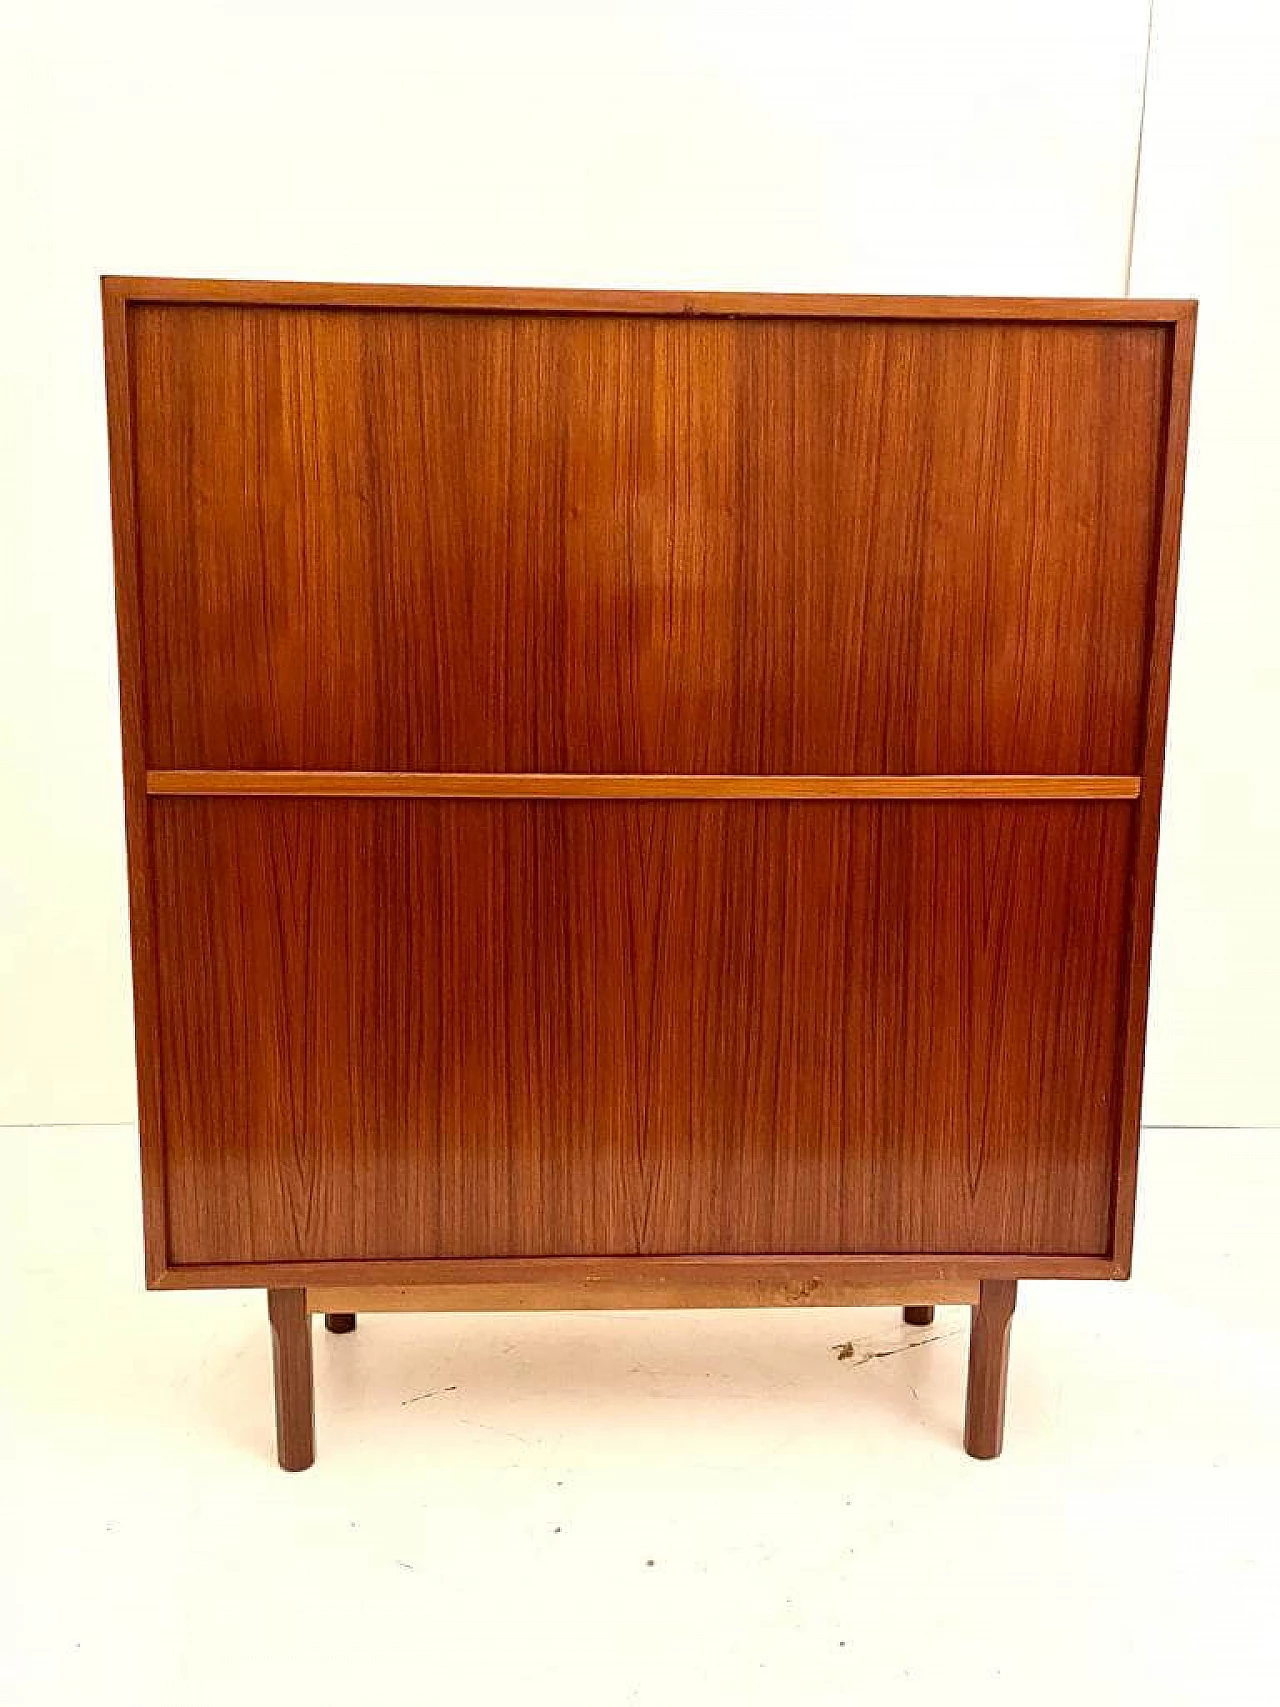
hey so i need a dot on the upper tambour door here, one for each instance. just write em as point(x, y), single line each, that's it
point(430, 540)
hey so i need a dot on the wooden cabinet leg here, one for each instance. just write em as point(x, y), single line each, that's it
point(295, 1389)
point(918, 1315)
point(339, 1322)
point(989, 1368)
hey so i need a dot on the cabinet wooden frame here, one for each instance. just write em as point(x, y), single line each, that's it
point(148, 782)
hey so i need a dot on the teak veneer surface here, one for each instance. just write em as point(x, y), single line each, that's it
point(564, 785)
point(538, 1028)
point(648, 1291)
point(379, 540)
point(640, 777)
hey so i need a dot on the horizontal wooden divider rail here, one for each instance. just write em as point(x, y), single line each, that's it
point(512, 786)
point(639, 799)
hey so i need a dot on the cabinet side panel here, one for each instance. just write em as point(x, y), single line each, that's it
point(1147, 832)
point(399, 1029)
point(116, 323)
point(404, 540)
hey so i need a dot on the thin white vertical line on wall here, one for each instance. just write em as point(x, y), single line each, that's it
point(1137, 153)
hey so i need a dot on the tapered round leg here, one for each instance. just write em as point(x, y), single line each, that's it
point(918, 1315)
point(340, 1323)
point(291, 1364)
point(989, 1368)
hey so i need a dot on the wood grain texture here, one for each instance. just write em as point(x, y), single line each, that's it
point(511, 785)
point(144, 948)
point(291, 1367)
point(626, 543)
point(654, 1290)
point(1147, 838)
point(564, 1276)
point(992, 1318)
point(638, 1027)
point(120, 289)
point(746, 541)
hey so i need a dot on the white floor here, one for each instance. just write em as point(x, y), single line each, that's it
point(601, 1509)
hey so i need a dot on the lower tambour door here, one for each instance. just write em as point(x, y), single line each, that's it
point(416, 1028)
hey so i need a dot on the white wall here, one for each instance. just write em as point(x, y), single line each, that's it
point(1209, 225)
point(845, 146)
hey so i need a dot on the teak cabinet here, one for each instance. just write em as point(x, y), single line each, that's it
point(640, 799)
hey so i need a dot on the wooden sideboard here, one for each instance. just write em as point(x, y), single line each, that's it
point(640, 799)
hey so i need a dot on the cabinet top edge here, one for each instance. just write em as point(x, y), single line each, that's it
point(123, 289)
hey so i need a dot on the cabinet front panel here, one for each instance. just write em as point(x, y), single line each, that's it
point(415, 540)
point(438, 1028)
